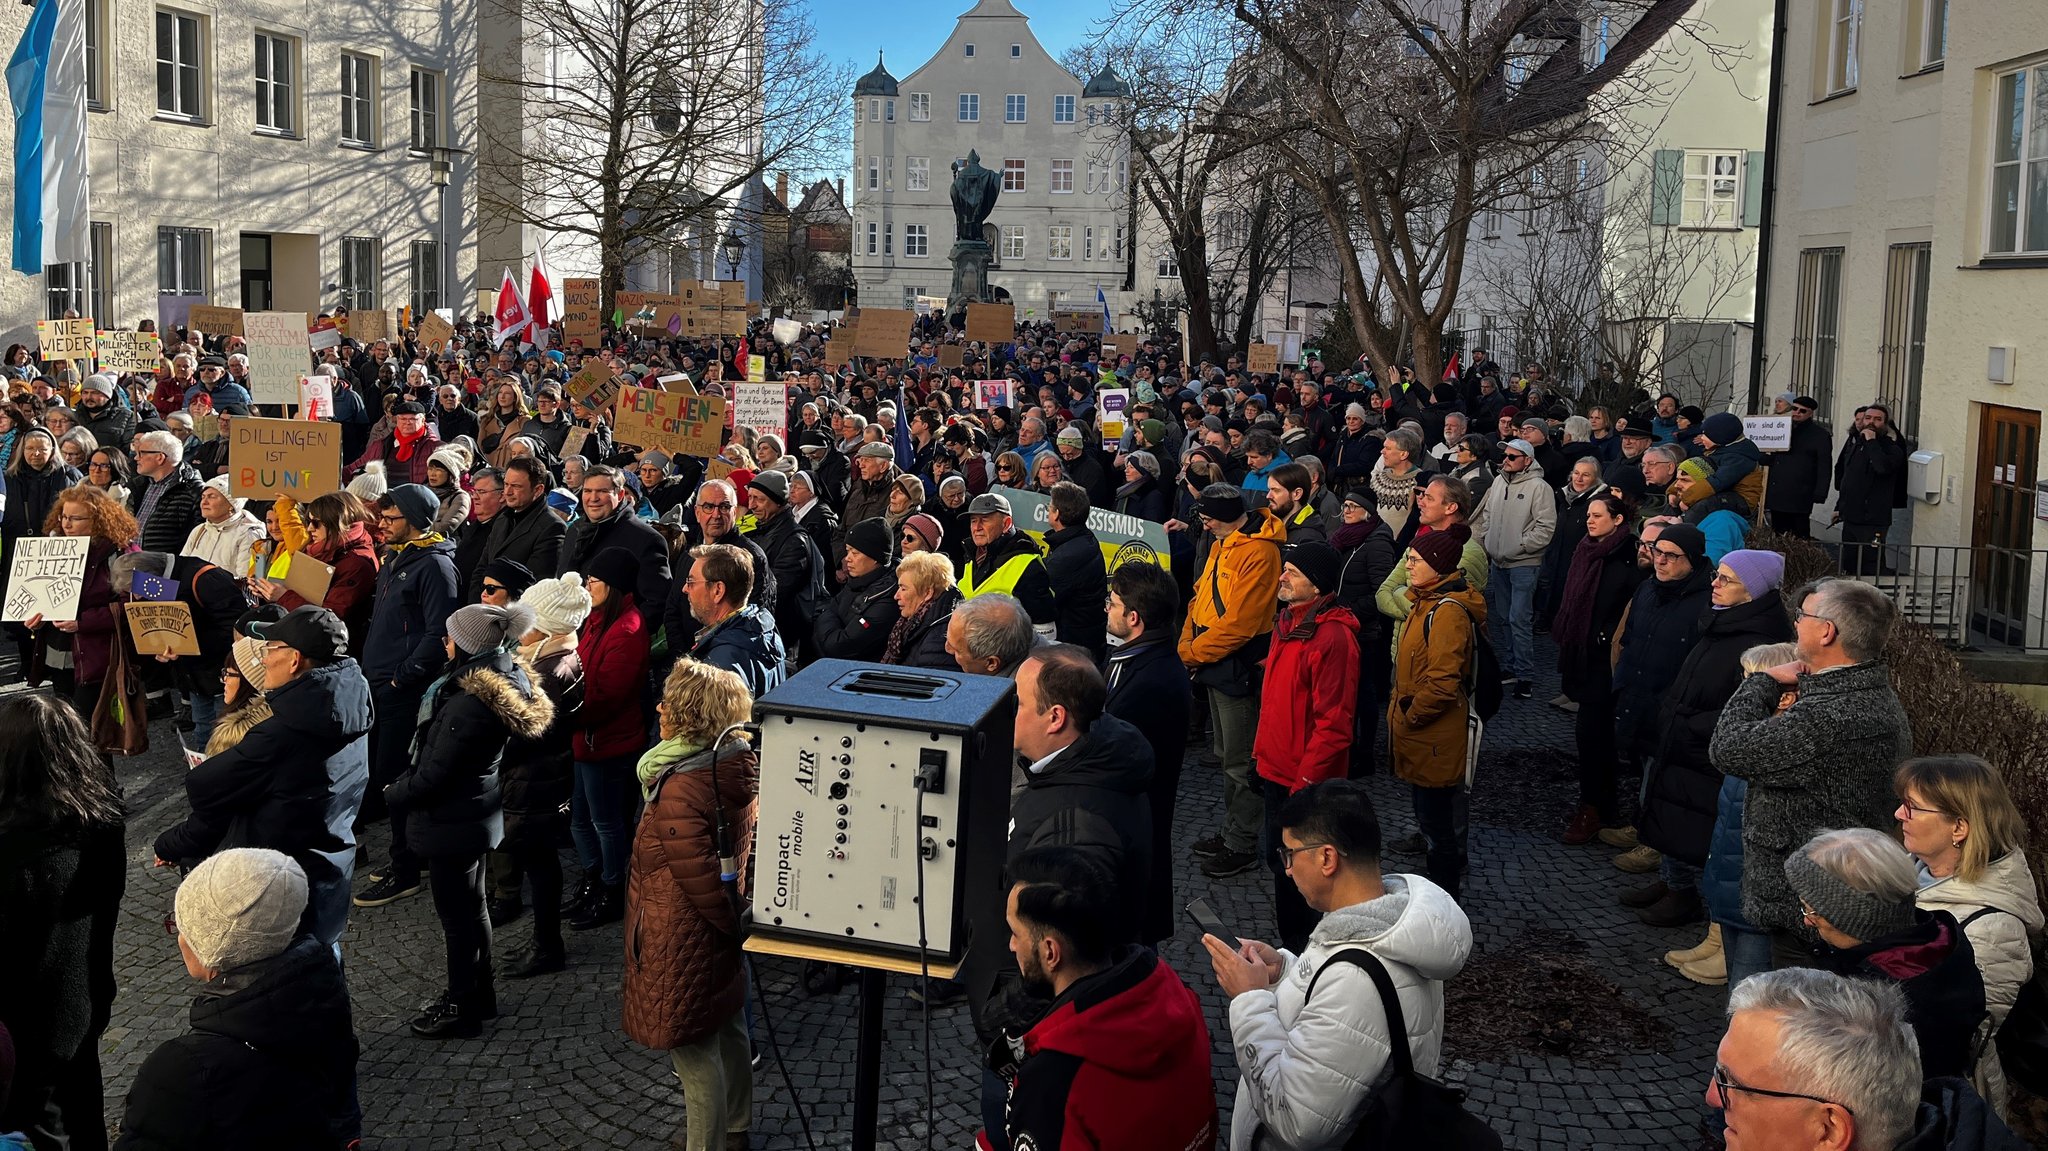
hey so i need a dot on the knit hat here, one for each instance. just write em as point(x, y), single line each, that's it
point(1722, 427)
point(416, 502)
point(1154, 431)
point(452, 459)
point(1859, 915)
point(656, 457)
point(103, 384)
point(1317, 561)
point(1511, 411)
point(370, 486)
point(1145, 462)
point(219, 483)
point(1759, 571)
point(248, 655)
point(482, 627)
point(1224, 502)
point(617, 568)
point(871, 538)
point(773, 484)
point(1070, 435)
point(240, 906)
point(928, 528)
point(740, 478)
point(559, 605)
point(1354, 410)
point(1440, 550)
point(515, 576)
point(1363, 497)
point(1691, 483)
point(1687, 539)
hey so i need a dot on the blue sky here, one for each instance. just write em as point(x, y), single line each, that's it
point(909, 31)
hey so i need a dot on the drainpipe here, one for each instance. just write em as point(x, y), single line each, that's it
point(1772, 118)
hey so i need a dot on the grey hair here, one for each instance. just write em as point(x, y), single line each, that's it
point(171, 446)
point(330, 370)
point(1313, 464)
point(1407, 441)
point(1869, 861)
point(731, 492)
point(856, 421)
point(1862, 614)
point(83, 437)
point(123, 568)
point(997, 627)
point(1845, 1040)
point(185, 358)
point(1458, 416)
point(1669, 453)
point(1577, 429)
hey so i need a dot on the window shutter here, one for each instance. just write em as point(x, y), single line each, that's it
point(1667, 186)
point(1753, 191)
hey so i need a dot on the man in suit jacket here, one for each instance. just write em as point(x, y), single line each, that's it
point(1149, 689)
point(525, 531)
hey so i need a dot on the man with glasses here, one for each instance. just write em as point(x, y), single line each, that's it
point(1520, 515)
point(486, 503)
point(1318, 1012)
point(608, 522)
point(164, 493)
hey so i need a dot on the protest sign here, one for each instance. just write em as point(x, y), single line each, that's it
point(926, 305)
point(279, 353)
point(124, 351)
point(1110, 351)
point(67, 339)
point(991, 394)
point(572, 444)
point(596, 385)
point(952, 355)
point(308, 577)
point(1769, 433)
point(163, 628)
point(580, 318)
point(369, 324)
point(675, 423)
point(1262, 359)
point(45, 578)
point(650, 311)
point(1069, 322)
point(1111, 404)
point(757, 369)
point(716, 468)
point(884, 333)
point(679, 382)
point(992, 323)
point(296, 458)
point(435, 332)
point(323, 333)
point(785, 330)
point(214, 321)
point(762, 407)
point(316, 397)
point(1124, 538)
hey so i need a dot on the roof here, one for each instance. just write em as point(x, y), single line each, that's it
point(993, 8)
point(1106, 84)
point(877, 82)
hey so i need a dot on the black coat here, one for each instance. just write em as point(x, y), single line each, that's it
point(1944, 1002)
point(1587, 669)
point(926, 647)
point(458, 422)
point(856, 624)
point(823, 524)
point(1953, 1117)
point(450, 798)
point(1145, 500)
point(31, 494)
point(1663, 622)
point(1080, 587)
point(625, 530)
point(532, 537)
point(536, 775)
point(176, 512)
point(1366, 566)
point(781, 544)
point(1799, 475)
point(269, 1063)
point(293, 784)
point(1681, 795)
point(216, 600)
point(1867, 475)
point(1150, 690)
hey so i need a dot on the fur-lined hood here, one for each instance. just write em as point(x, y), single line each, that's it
point(510, 688)
point(233, 725)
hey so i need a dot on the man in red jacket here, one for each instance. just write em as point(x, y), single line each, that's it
point(1121, 1058)
point(1306, 711)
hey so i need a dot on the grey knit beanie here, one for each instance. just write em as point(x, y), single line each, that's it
point(240, 906)
point(1857, 914)
point(483, 627)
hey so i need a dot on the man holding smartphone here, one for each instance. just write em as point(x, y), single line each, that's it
point(1304, 1073)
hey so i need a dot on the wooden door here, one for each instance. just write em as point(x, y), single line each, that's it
point(2002, 532)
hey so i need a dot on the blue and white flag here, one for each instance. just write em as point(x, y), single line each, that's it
point(46, 85)
point(1107, 326)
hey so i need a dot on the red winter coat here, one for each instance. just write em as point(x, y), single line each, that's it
point(614, 672)
point(353, 588)
point(1311, 696)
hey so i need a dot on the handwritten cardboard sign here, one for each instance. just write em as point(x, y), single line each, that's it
point(1262, 359)
point(279, 352)
point(435, 332)
point(1077, 322)
point(308, 577)
point(675, 423)
point(125, 351)
point(572, 444)
point(952, 355)
point(650, 311)
point(67, 339)
point(580, 318)
point(214, 321)
point(369, 324)
point(596, 385)
point(45, 577)
point(296, 458)
point(992, 323)
point(162, 627)
point(762, 407)
point(884, 333)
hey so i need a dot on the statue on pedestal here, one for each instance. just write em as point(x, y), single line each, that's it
point(975, 189)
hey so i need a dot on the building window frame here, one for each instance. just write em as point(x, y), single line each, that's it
point(427, 88)
point(96, 56)
point(920, 107)
point(1931, 44)
point(874, 239)
point(2018, 160)
point(1013, 175)
point(874, 173)
point(1843, 29)
point(1016, 108)
point(359, 104)
point(425, 262)
point(276, 76)
point(1013, 242)
point(359, 277)
point(1063, 109)
point(1817, 325)
point(1059, 242)
point(61, 290)
point(916, 241)
point(1711, 199)
point(917, 173)
point(970, 106)
point(184, 261)
point(1060, 179)
point(181, 65)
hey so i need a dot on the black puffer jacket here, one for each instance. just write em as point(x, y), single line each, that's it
point(856, 624)
point(536, 775)
point(450, 797)
point(926, 647)
point(1663, 623)
point(268, 1063)
point(1933, 963)
point(1868, 474)
point(1366, 566)
point(1080, 585)
point(176, 512)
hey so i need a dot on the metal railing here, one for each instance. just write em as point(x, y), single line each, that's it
point(1974, 598)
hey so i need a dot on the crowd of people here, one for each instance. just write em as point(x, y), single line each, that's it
point(534, 637)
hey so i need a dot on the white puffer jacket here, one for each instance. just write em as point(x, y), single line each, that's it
point(2005, 956)
point(1306, 1069)
point(225, 544)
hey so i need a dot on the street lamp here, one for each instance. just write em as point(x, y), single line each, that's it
point(441, 170)
point(734, 249)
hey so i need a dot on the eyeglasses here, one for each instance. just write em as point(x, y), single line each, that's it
point(1720, 580)
point(1284, 855)
point(1512, 456)
point(721, 508)
point(147, 452)
point(1723, 1084)
point(1802, 613)
point(1667, 554)
point(1912, 810)
point(391, 519)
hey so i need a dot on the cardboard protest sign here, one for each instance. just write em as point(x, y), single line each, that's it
point(124, 351)
point(572, 444)
point(675, 423)
point(45, 577)
point(162, 628)
point(580, 318)
point(649, 311)
point(1769, 433)
point(992, 323)
point(990, 394)
point(67, 339)
point(323, 333)
point(1068, 322)
point(757, 369)
point(1110, 405)
point(717, 468)
point(680, 382)
point(316, 397)
point(279, 353)
point(214, 321)
point(1110, 351)
point(762, 407)
point(296, 458)
point(309, 577)
point(596, 385)
point(1124, 538)
point(884, 333)
point(1262, 359)
point(369, 324)
point(952, 355)
point(435, 332)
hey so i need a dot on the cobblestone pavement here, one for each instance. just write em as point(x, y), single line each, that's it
point(555, 1070)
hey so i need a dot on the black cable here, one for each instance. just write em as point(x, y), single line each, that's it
point(924, 976)
point(775, 1045)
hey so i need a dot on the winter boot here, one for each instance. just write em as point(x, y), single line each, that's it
point(1585, 823)
point(1710, 946)
point(607, 906)
point(1712, 971)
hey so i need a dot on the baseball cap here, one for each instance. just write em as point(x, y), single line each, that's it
point(989, 504)
point(313, 632)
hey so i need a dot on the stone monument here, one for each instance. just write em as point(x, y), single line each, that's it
point(975, 189)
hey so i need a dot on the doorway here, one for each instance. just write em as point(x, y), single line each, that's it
point(2002, 528)
point(256, 286)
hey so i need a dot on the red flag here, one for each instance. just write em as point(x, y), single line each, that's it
point(512, 315)
point(539, 295)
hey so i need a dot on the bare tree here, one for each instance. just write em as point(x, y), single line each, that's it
point(644, 122)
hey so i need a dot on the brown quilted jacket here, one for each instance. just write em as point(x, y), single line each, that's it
point(683, 974)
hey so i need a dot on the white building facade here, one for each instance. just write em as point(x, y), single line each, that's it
point(267, 156)
point(1062, 228)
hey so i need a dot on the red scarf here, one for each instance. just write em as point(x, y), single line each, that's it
point(407, 444)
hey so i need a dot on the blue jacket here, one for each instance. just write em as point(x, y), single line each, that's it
point(1726, 530)
point(1732, 462)
point(223, 391)
point(747, 644)
point(416, 592)
point(1721, 880)
point(1255, 481)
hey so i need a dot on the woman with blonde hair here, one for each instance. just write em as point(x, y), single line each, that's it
point(685, 986)
point(926, 595)
point(1959, 822)
point(501, 423)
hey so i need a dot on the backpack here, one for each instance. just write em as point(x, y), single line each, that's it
point(1482, 686)
point(2022, 1039)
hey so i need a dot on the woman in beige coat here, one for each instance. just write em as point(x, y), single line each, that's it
point(1426, 719)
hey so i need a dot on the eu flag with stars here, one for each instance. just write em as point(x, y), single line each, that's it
point(153, 587)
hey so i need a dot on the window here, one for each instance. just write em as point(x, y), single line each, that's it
point(888, 111)
point(1816, 325)
point(920, 106)
point(358, 100)
point(83, 287)
point(874, 173)
point(1933, 32)
point(1169, 265)
point(888, 173)
point(917, 173)
point(970, 105)
point(426, 276)
point(1845, 20)
point(888, 239)
point(1059, 242)
point(95, 67)
point(1087, 243)
point(178, 66)
point(358, 277)
point(1062, 109)
point(1902, 353)
point(1013, 175)
point(274, 72)
point(1713, 190)
point(1600, 38)
point(1016, 51)
point(184, 259)
point(916, 241)
point(665, 106)
point(860, 111)
point(1416, 47)
point(875, 109)
point(970, 51)
point(1013, 242)
point(426, 111)
point(2019, 160)
point(1062, 176)
point(1537, 193)
point(1013, 108)
point(874, 239)
point(1515, 71)
point(1119, 242)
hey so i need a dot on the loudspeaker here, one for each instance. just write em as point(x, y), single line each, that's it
point(884, 805)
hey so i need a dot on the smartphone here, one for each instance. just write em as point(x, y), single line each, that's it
point(1205, 918)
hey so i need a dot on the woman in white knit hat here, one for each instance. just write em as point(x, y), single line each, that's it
point(242, 702)
point(226, 529)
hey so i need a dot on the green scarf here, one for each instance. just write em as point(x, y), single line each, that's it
point(660, 758)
